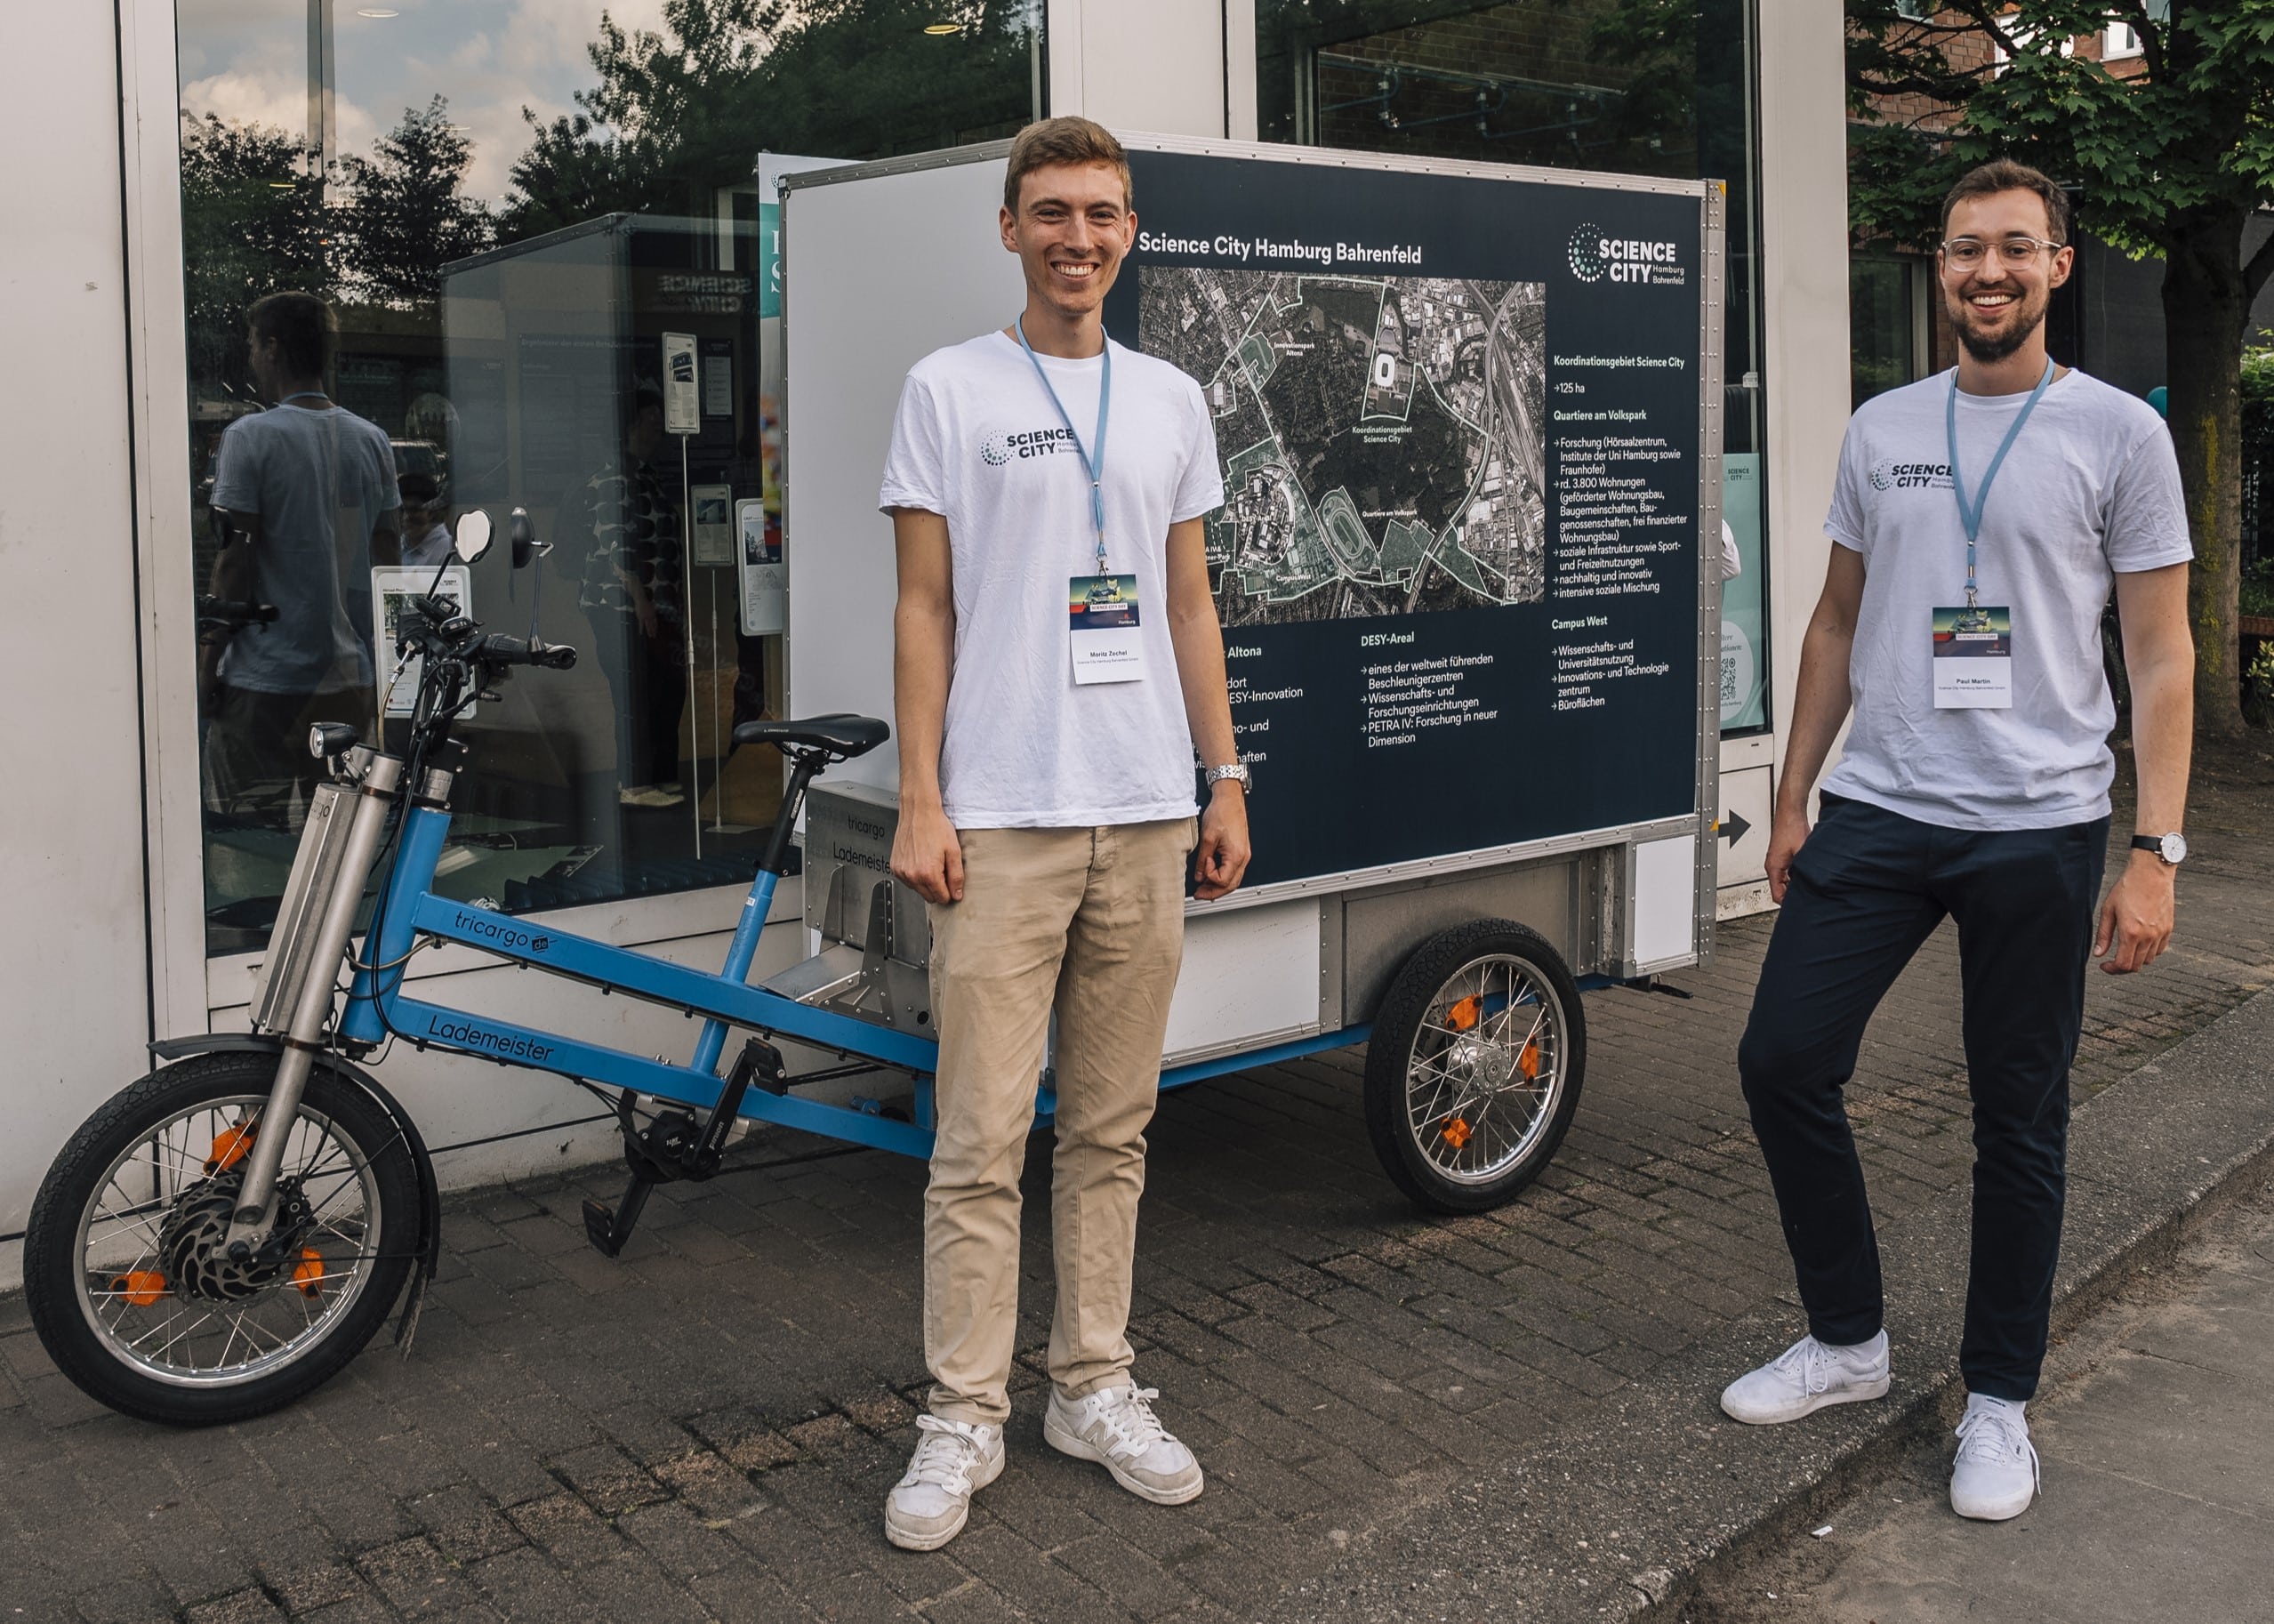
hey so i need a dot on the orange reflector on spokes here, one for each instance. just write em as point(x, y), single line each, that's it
point(1466, 1013)
point(142, 1287)
point(1529, 1061)
point(308, 1273)
point(1456, 1132)
point(230, 1146)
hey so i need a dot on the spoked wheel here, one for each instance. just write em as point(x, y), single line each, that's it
point(1474, 1069)
point(126, 1268)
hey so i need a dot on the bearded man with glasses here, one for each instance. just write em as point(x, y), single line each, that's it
point(1979, 521)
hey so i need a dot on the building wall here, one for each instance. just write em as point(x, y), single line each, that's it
point(73, 961)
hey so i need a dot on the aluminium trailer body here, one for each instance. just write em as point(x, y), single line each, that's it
point(1468, 571)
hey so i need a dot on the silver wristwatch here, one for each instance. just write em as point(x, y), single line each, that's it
point(2171, 848)
point(1237, 772)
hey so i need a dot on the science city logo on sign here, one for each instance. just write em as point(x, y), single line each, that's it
point(1593, 256)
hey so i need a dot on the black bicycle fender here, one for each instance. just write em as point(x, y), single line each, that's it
point(429, 1242)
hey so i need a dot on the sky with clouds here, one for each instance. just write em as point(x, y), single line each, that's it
point(247, 61)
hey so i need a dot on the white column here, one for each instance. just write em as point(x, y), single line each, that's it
point(1147, 65)
point(1804, 288)
point(74, 957)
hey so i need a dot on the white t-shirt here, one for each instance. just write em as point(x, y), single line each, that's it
point(977, 441)
point(2090, 488)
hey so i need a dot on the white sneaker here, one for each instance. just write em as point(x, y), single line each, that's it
point(1805, 1378)
point(1995, 1474)
point(954, 1461)
point(1116, 1428)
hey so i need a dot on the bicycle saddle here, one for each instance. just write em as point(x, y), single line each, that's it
point(842, 734)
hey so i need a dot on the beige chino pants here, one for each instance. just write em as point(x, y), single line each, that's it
point(1089, 924)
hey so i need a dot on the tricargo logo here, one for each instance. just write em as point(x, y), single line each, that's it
point(1594, 255)
point(511, 937)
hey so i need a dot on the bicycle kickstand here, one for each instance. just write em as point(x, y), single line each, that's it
point(674, 1146)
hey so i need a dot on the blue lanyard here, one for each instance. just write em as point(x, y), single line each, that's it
point(1093, 462)
point(1971, 516)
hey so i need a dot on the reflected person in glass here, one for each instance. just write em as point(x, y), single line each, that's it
point(624, 519)
point(308, 489)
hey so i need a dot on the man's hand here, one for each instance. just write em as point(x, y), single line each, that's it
point(2137, 920)
point(1220, 860)
point(926, 856)
point(1787, 834)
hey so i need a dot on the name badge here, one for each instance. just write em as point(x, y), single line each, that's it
point(1102, 613)
point(1973, 659)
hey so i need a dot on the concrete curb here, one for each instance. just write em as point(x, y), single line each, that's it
point(1621, 1512)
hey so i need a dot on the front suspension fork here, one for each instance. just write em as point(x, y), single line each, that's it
point(304, 1039)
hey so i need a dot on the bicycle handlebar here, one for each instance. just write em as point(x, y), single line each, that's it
point(499, 650)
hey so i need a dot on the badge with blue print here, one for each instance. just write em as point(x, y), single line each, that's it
point(1102, 615)
point(1973, 658)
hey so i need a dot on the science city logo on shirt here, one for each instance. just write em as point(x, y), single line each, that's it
point(1894, 474)
point(1001, 450)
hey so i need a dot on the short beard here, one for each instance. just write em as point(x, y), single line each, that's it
point(1989, 351)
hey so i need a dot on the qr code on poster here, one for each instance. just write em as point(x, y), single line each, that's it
point(1728, 680)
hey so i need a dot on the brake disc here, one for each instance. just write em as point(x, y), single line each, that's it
point(193, 1243)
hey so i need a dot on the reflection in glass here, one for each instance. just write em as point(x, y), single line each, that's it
point(1882, 325)
point(528, 230)
point(304, 496)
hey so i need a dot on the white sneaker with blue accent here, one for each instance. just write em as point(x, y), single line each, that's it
point(1995, 1474)
point(953, 1460)
point(1116, 1428)
point(1805, 1378)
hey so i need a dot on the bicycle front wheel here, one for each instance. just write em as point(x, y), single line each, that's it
point(126, 1268)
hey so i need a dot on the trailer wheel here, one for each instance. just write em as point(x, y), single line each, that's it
point(1474, 1069)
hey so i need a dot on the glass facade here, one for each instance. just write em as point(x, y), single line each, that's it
point(1884, 322)
point(1655, 87)
point(537, 263)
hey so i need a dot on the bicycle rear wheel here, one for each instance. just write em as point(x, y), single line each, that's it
point(126, 1271)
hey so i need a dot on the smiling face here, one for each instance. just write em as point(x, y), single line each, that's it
point(1997, 306)
point(1072, 228)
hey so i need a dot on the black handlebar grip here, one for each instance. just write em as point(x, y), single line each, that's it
point(500, 650)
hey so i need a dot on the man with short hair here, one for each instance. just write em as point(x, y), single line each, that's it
point(1057, 657)
point(1979, 520)
point(311, 488)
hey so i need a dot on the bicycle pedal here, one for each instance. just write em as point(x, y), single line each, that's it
point(600, 1227)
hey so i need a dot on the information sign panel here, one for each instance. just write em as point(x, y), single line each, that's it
point(1457, 564)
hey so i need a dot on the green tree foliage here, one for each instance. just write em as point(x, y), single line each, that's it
point(2172, 162)
point(2258, 480)
point(253, 222)
point(681, 112)
point(405, 214)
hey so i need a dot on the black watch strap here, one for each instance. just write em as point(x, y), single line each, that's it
point(2159, 844)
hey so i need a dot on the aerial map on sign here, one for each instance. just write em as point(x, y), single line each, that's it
point(1381, 436)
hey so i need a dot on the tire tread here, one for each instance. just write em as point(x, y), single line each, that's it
point(1397, 1020)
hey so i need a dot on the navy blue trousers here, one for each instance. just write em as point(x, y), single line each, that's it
point(1868, 888)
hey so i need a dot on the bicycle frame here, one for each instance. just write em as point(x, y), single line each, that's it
point(408, 909)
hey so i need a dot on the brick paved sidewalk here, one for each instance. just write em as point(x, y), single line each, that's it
point(706, 1428)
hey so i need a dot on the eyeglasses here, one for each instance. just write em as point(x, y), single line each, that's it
point(2016, 253)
